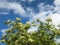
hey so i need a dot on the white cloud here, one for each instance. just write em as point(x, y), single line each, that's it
point(3, 0)
point(49, 13)
point(32, 29)
point(43, 7)
point(3, 4)
point(46, 11)
point(57, 2)
point(57, 41)
point(42, 13)
point(30, 0)
point(3, 31)
point(4, 13)
point(56, 18)
point(18, 9)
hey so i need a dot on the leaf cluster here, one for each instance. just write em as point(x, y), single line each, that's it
point(18, 35)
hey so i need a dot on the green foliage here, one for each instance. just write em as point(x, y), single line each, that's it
point(18, 34)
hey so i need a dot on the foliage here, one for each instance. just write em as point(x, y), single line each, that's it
point(17, 34)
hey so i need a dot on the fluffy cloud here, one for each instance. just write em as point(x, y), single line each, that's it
point(57, 6)
point(44, 10)
point(3, 31)
point(3, 13)
point(57, 2)
point(57, 41)
point(28, 0)
point(47, 11)
point(18, 9)
point(32, 29)
point(3, 0)
point(54, 14)
point(56, 18)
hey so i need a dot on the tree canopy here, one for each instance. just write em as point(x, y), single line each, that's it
point(17, 34)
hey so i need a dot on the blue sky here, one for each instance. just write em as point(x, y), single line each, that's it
point(28, 10)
